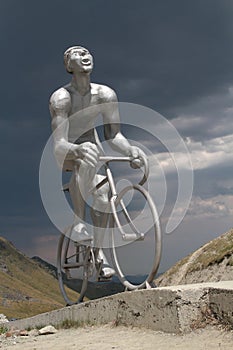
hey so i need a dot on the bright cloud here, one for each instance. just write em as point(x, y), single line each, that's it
point(211, 153)
point(203, 155)
point(217, 206)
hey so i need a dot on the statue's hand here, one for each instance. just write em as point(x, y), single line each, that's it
point(137, 156)
point(88, 153)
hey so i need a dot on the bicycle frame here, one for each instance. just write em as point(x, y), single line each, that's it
point(109, 177)
point(113, 196)
point(84, 255)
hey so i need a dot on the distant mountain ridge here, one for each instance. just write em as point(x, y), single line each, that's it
point(211, 263)
point(53, 270)
point(95, 289)
point(45, 265)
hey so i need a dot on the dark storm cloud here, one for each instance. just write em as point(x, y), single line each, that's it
point(208, 118)
point(214, 189)
point(158, 53)
point(204, 127)
point(171, 52)
point(213, 181)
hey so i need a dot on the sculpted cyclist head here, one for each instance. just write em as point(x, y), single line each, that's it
point(77, 59)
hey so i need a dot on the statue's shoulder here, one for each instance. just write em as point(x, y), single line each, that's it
point(105, 93)
point(60, 99)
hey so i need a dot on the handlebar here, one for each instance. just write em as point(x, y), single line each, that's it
point(107, 159)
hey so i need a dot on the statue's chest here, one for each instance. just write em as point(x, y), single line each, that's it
point(79, 102)
point(83, 114)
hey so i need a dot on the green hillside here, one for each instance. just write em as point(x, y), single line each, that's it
point(25, 288)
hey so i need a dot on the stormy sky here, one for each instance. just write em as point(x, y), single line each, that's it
point(174, 57)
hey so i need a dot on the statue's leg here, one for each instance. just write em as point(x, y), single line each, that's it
point(76, 197)
point(81, 180)
point(99, 216)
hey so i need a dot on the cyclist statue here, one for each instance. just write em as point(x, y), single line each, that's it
point(80, 153)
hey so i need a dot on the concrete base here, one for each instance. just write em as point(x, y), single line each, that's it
point(177, 309)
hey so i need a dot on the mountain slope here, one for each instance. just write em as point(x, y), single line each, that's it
point(25, 288)
point(211, 263)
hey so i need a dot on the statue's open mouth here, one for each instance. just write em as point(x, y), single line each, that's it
point(86, 62)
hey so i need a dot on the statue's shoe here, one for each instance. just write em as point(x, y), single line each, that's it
point(107, 272)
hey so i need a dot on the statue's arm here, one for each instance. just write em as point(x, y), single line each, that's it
point(59, 106)
point(111, 119)
point(112, 131)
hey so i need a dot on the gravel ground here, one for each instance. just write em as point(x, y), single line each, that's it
point(108, 337)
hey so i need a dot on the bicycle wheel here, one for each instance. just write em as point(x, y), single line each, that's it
point(135, 238)
point(74, 262)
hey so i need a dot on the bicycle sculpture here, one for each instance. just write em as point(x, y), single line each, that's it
point(114, 213)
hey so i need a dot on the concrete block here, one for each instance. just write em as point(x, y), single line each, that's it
point(176, 309)
point(221, 304)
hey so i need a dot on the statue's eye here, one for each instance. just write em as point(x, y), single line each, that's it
point(83, 53)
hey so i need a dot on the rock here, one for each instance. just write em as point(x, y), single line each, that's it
point(47, 330)
point(9, 334)
point(23, 333)
point(33, 333)
point(3, 319)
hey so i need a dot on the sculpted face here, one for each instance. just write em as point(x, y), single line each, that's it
point(79, 60)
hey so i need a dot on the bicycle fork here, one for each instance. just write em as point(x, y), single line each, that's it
point(125, 236)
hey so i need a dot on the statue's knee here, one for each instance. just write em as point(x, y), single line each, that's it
point(101, 203)
point(100, 196)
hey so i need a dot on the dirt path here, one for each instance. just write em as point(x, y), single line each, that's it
point(121, 338)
